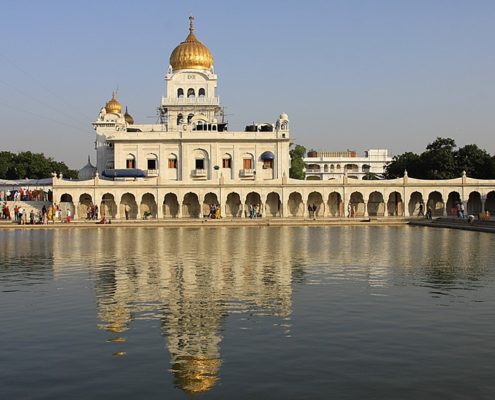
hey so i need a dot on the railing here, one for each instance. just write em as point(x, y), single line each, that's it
point(152, 172)
point(247, 172)
point(199, 173)
point(180, 101)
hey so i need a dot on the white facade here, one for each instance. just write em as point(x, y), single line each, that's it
point(334, 165)
point(191, 143)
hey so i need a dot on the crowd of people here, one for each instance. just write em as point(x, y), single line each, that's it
point(25, 194)
point(52, 213)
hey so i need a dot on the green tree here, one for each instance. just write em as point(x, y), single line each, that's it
point(438, 161)
point(475, 161)
point(407, 161)
point(31, 165)
point(296, 170)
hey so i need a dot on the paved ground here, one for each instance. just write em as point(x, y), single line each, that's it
point(456, 223)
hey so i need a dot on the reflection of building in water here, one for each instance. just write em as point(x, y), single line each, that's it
point(190, 280)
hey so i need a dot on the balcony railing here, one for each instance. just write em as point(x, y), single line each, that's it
point(152, 172)
point(183, 101)
point(244, 173)
point(199, 173)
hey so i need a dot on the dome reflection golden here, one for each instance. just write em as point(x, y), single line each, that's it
point(191, 53)
point(113, 106)
point(196, 374)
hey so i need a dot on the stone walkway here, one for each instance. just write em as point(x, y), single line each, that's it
point(457, 223)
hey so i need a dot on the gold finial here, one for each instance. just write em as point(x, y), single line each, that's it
point(191, 27)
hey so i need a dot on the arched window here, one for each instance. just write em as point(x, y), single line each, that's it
point(172, 161)
point(332, 167)
point(180, 93)
point(130, 161)
point(325, 168)
point(247, 161)
point(152, 161)
point(190, 92)
point(179, 119)
point(189, 118)
point(201, 93)
point(200, 159)
point(227, 161)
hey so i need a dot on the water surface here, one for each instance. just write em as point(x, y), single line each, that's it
point(249, 312)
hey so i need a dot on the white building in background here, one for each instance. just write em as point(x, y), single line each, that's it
point(324, 165)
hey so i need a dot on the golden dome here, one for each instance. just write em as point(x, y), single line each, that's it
point(113, 106)
point(191, 53)
point(128, 118)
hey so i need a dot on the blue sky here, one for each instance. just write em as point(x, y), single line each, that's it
point(351, 74)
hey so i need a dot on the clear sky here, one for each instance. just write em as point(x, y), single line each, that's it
point(351, 74)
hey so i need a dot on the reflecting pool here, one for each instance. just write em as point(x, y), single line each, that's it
point(362, 312)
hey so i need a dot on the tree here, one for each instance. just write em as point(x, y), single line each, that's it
point(475, 161)
point(407, 161)
point(438, 161)
point(31, 165)
point(297, 153)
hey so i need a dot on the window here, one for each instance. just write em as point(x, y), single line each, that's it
point(189, 118)
point(179, 119)
point(227, 161)
point(267, 164)
point(172, 161)
point(180, 93)
point(247, 163)
point(152, 164)
point(130, 161)
point(190, 92)
point(201, 93)
point(200, 164)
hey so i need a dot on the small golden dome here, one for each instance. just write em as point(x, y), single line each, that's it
point(191, 53)
point(113, 106)
point(128, 118)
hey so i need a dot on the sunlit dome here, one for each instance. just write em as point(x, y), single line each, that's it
point(191, 53)
point(113, 106)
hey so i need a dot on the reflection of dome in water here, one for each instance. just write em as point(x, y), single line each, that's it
point(195, 374)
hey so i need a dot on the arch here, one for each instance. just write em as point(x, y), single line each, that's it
point(200, 159)
point(415, 203)
point(315, 199)
point(130, 161)
point(172, 161)
point(435, 202)
point(66, 198)
point(332, 167)
point(325, 168)
point(253, 201)
point(273, 205)
point(190, 206)
point(148, 206)
point(247, 161)
point(453, 200)
point(209, 200)
point(395, 206)
point(295, 205)
point(189, 118)
point(128, 206)
point(376, 204)
point(334, 204)
point(180, 118)
point(170, 206)
point(351, 168)
point(190, 93)
point(84, 207)
point(365, 168)
point(490, 202)
point(314, 167)
point(226, 161)
point(474, 203)
point(313, 178)
point(202, 92)
point(233, 208)
point(108, 207)
point(180, 93)
point(355, 207)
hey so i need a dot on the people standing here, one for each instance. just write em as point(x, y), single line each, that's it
point(67, 218)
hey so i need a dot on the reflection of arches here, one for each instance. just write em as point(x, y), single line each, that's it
point(233, 207)
point(490, 202)
point(190, 205)
point(128, 206)
point(272, 206)
point(415, 201)
point(452, 200)
point(254, 199)
point(394, 204)
point(108, 207)
point(435, 201)
point(209, 200)
point(334, 204)
point(315, 199)
point(170, 206)
point(376, 204)
point(85, 202)
point(357, 205)
point(474, 203)
point(148, 206)
point(296, 205)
